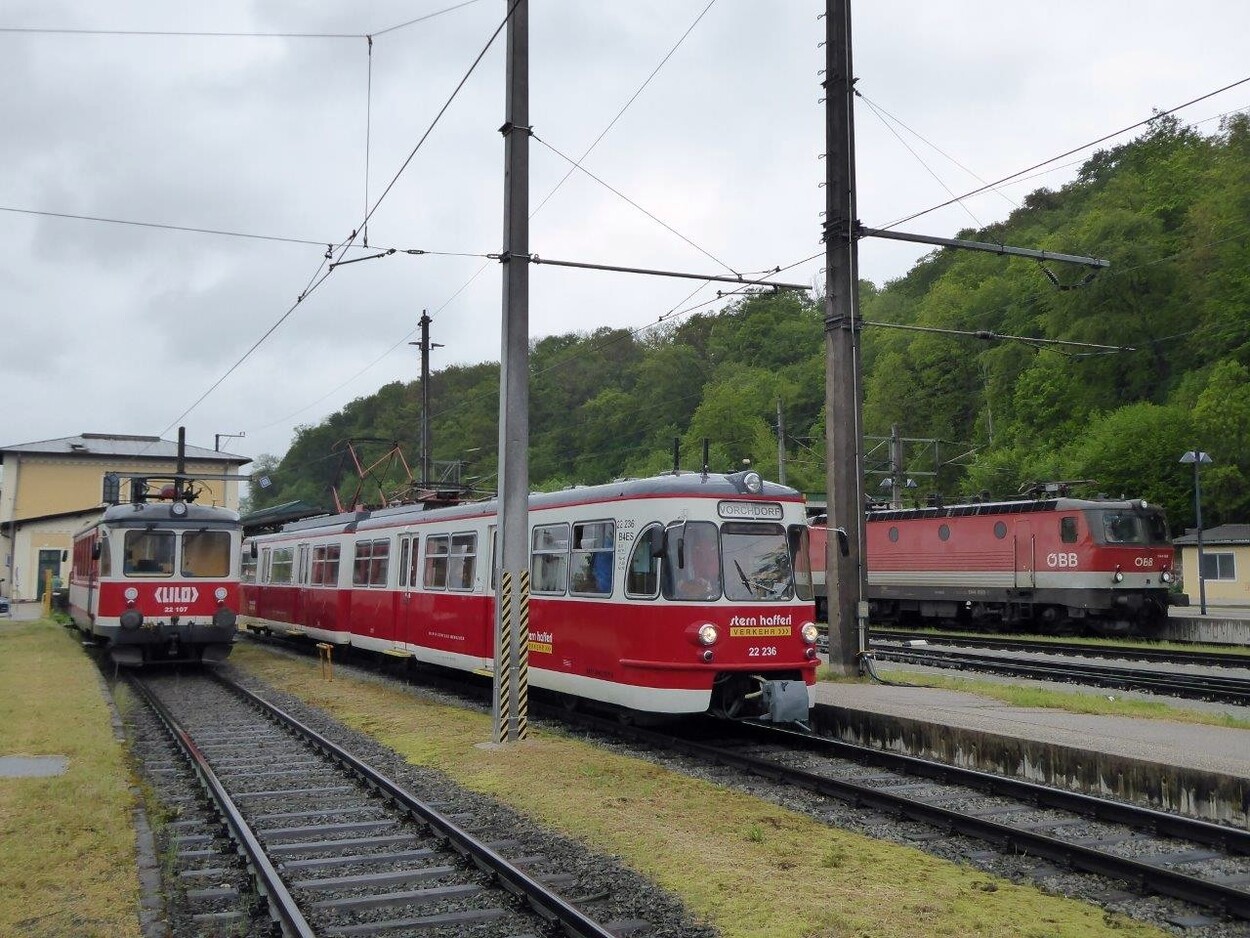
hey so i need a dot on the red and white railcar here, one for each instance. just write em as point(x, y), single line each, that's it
point(158, 581)
point(1057, 564)
point(679, 594)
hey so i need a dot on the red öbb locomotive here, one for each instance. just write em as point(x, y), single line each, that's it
point(680, 594)
point(159, 580)
point(1050, 565)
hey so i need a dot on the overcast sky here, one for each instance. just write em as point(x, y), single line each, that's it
point(120, 329)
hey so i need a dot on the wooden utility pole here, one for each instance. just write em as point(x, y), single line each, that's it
point(512, 556)
point(845, 576)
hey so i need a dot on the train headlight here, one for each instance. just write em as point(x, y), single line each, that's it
point(753, 483)
point(220, 594)
point(1165, 576)
point(708, 634)
point(809, 632)
point(178, 509)
point(1117, 577)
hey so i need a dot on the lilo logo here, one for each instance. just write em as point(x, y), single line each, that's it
point(181, 595)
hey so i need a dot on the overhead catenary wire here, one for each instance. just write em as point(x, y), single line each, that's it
point(319, 278)
point(1084, 146)
point(464, 286)
point(225, 34)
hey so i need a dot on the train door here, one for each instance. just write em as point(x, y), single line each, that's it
point(1026, 569)
point(408, 626)
point(302, 599)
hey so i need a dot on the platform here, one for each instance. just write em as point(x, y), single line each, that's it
point(1199, 770)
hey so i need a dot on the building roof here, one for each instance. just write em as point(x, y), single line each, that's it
point(1224, 534)
point(121, 445)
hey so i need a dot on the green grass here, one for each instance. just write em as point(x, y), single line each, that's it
point(1019, 695)
point(67, 845)
point(751, 868)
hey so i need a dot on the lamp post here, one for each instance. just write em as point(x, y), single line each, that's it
point(1197, 457)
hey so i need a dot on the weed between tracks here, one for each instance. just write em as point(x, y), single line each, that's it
point(752, 869)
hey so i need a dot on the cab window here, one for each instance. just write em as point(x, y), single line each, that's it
point(642, 576)
point(149, 553)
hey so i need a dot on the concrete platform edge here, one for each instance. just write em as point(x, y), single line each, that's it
point(1212, 796)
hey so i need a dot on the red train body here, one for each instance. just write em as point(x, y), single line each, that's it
point(1050, 565)
point(158, 581)
point(671, 595)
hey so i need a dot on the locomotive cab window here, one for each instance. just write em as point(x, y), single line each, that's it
point(549, 563)
point(594, 552)
point(1122, 527)
point(149, 553)
point(757, 561)
point(1068, 529)
point(642, 578)
point(692, 561)
point(206, 553)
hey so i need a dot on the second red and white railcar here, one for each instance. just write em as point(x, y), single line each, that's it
point(680, 594)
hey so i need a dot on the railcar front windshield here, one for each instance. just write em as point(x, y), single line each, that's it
point(756, 561)
point(1131, 526)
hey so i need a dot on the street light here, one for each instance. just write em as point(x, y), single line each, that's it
point(1197, 457)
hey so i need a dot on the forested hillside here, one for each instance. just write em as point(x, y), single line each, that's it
point(1170, 210)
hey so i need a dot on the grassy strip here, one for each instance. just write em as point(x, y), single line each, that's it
point(1020, 695)
point(752, 869)
point(67, 847)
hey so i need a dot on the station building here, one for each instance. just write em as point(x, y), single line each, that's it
point(52, 488)
point(1225, 564)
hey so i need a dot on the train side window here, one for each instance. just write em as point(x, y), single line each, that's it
point(280, 563)
point(893, 534)
point(1067, 529)
point(594, 553)
point(372, 560)
point(329, 565)
point(106, 555)
point(1000, 530)
point(462, 564)
point(642, 578)
point(247, 571)
point(944, 532)
point(436, 549)
point(549, 561)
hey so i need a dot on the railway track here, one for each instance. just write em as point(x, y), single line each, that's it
point(1152, 852)
point(303, 834)
point(1234, 689)
point(1122, 651)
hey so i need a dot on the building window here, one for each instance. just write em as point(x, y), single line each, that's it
point(1221, 566)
